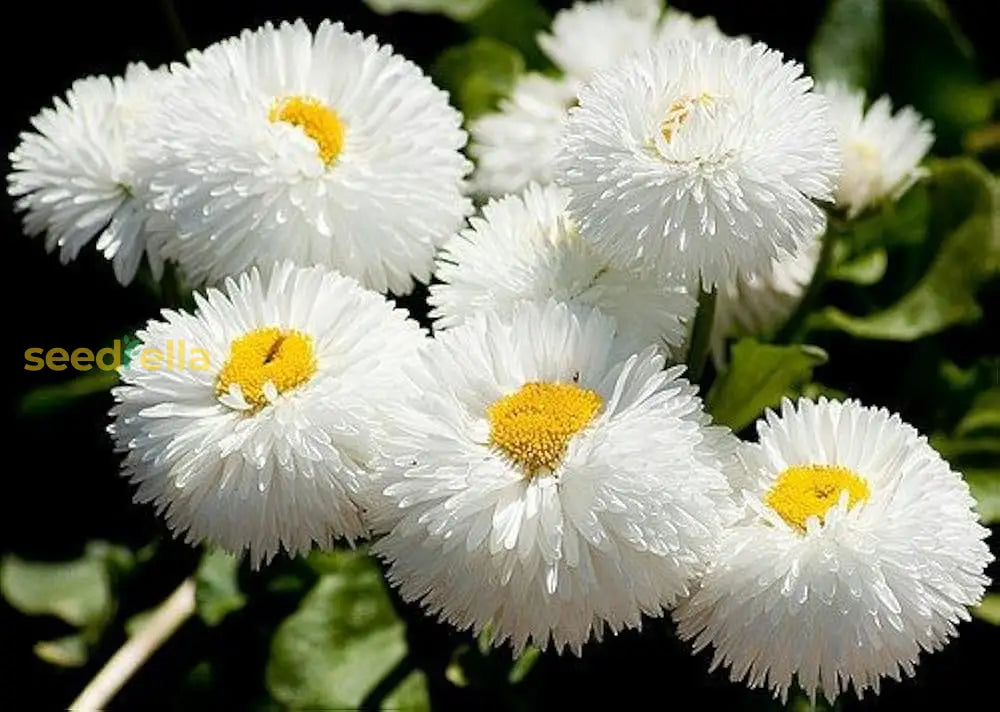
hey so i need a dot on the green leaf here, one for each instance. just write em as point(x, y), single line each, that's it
point(848, 43)
point(460, 10)
point(410, 695)
point(935, 70)
point(46, 399)
point(953, 448)
point(864, 270)
point(478, 74)
point(985, 486)
point(984, 414)
point(523, 665)
point(965, 205)
point(816, 390)
point(989, 609)
point(341, 642)
point(218, 593)
point(899, 223)
point(759, 375)
point(516, 23)
point(78, 591)
point(71, 651)
point(135, 623)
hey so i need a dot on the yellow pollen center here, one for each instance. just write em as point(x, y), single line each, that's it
point(533, 426)
point(284, 358)
point(679, 112)
point(316, 120)
point(805, 491)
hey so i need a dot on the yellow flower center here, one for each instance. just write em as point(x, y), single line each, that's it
point(805, 491)
point(679, 112)
point(284, 358)
point(533, 426)
point(318, 122)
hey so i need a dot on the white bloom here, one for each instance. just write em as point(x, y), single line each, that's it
point(677, 25)
point(881, 152)
point(540, 488)
point(75, 175)
point(701, 158)
point(591, 36)
point(318, 147)
point(760, 303)
point(519, 143)
point(261, 437)
point(525, 247)
point(858, 549)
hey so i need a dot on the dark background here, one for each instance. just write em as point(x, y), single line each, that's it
point(59, 488)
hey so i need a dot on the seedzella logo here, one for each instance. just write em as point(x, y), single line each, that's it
point(175, 356)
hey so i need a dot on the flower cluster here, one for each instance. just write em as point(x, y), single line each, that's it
point(539, 468)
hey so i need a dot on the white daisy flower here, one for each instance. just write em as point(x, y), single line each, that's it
point(75, 174)
point(542, 489)
point(249, 423)
point(677, 25)
point(591, 36)
point(882, 151)
point(526, 247)
point(519, 143)
point(701, 158)
point(760, 303)
point(318, 147)
point(859, 548)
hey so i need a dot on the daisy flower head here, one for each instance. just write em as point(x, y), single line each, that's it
point(75, 174)
point(543, 489)
point(678, 25)
point(760, 303)
point(590, 36)
point(319, 147)
point(519, 143)
point(858, 549)
point(882, 151)
point(249, 423)
point(699, 157)
point(526, 247)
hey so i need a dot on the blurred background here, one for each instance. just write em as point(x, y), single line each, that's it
point(62, 500)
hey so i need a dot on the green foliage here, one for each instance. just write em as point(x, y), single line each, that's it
point(934, 69)
point(965, 222)
point(218, 593)
point(78, 592)
point(758, 377)
point(47, 399)
point(460, 10)
point(848, 43)
point(335, 650)
point(989, 609)
point(70, 651)
point(984, 414)
point(973, 446)
point(865, 270)
point(516, 23)
point(985, 486)
point(478, 74)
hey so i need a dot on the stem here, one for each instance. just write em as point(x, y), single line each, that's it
point(701, 334)
point(791, 332)
point(166, 619)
